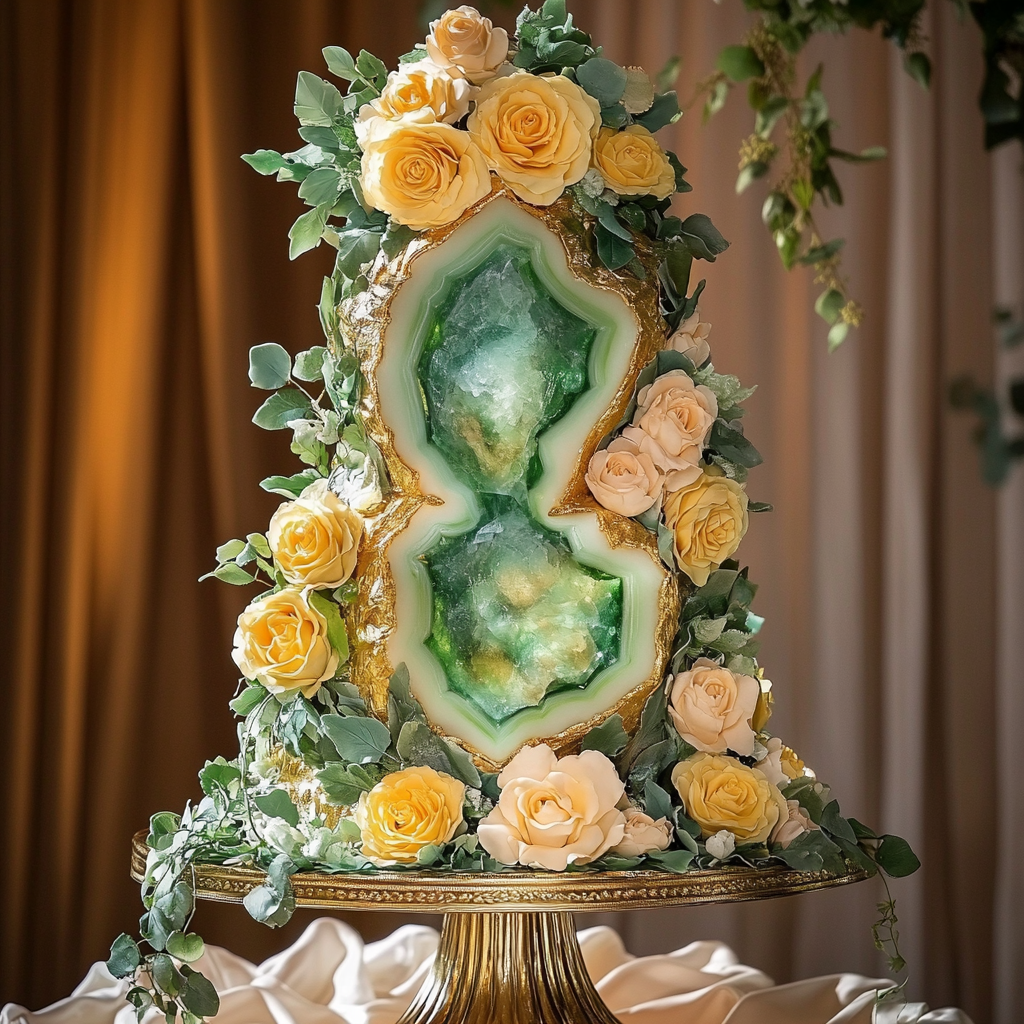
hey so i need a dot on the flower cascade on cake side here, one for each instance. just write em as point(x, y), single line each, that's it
point(320, 783)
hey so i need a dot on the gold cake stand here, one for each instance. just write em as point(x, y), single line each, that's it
point(508, 952)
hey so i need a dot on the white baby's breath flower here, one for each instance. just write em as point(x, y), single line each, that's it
point(591, 184)
point(721, 845)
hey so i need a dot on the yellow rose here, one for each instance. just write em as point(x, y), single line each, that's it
point(708, 519)
point(466, 43)
point(711, 708)
point(315, 538)
point(407, 811)
point(632, 163)
point(723, 793)
point(673, 419)
point(420, 88)
point(281, 641)
point(554, 811)
point(536, 133)
point(422, 175)
point(624, 479)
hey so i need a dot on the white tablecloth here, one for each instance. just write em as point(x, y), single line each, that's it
point(330, 976)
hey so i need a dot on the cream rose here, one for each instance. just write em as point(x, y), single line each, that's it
point(691, 339)
point(407, 811)
point(711, 708)
point(624, 479)
point(422, 175)
point(791, 826)
point(723, 793)
point(421, 91)
point(554, 811)
point(466, 43)
point(536, 133)
point(708, 518)
point(315, 539)
point(671, 424)
point(632, 163)
point(281, 641)
point(642, 834)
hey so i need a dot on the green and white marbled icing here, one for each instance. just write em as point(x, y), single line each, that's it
point(514, 624)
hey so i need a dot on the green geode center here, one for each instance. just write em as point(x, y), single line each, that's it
point(515, 616)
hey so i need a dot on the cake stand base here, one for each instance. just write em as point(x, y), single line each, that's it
point(508, 968)
point(508, 952)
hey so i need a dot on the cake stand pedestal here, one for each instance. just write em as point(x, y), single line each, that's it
point(508, 952)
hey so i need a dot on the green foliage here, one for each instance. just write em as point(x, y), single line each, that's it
point(608, 738)
point(358, 740)
point(549, 41)
point(603, 79)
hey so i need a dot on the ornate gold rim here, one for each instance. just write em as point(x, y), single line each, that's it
point(425, 893)
point(364, 319)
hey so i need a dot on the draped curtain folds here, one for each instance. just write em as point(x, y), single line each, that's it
point(141, 258)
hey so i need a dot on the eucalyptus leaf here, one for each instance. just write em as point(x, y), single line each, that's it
point(188, 948)
point(340, 62)
point(265, 161)
point(124, 957)
point(321, 186)
point(609, 738)
point(278, 804)
point(603, 79)
point(270, 366)
point(730, 443)
point(166, 976)
point(676, 861)
point(290, 486)
point(663, 111)
point(895, 857)
point(343, 784)
point(316, 101)
point(336, 632)
point(199, 997)
point(306, 232)
point(703, 239)
point(229, 573)
point(230, 550)
point(358, 740)
point(657, 802)
point(281, 408)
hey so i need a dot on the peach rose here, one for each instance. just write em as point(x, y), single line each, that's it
point(315, 538)
point(420, 90)
point(708, 518)
point(624, 479)
point(554, 811)
point(281, 641)
point(723, 793)
point(536, 133)
point(671, 424)
point(691, 339)
point(711, 708)
point(643, 834)
point(632, 163)
point(791, 826)
point(466, 43)
point(407, 811)
point(422, 175)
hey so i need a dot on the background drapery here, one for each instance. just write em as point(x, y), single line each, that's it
point(141, 258)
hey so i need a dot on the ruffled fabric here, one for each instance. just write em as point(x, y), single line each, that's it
point(330, 976)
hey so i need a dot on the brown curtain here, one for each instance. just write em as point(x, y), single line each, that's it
point(141, 258)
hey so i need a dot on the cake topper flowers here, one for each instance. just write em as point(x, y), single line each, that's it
point(321, 782)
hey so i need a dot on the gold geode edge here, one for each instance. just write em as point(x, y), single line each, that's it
point(364, 320)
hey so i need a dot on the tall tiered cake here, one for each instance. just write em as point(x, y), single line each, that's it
point(496, 622)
